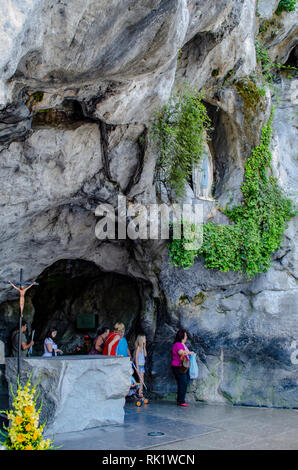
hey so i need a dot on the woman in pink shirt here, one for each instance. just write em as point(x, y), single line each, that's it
point(179, 351)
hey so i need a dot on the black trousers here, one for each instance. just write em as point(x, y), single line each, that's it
point(182, 382)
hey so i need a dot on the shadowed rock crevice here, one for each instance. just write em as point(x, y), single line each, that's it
point(141, 150)
point(203, 42)
point(105, 145)
point(69, 115)
point(123, 153)
point(15, 124)
point(292, 60)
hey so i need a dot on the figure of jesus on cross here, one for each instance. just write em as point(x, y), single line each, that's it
point(22, 291)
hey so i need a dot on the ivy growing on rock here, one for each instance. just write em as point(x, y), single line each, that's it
point(286, 5)
point(269, 68)
point(257, 225)
point(179, 254)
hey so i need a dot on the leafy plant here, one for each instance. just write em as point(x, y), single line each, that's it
point(257, 225)
point(180, 255)
point(286, 5)
point(178, 130)
point(24, 432)
point(269, 68)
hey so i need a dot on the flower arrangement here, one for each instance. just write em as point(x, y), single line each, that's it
point(24, 432)
point(84, 348)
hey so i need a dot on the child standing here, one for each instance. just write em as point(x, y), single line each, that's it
point(140, 359)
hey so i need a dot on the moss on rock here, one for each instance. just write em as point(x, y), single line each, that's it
point(252, 97)
point(199, 298)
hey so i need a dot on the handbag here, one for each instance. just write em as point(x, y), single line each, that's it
point(184, 366)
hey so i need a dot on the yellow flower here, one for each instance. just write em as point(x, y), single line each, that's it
point(25, 418)
point(18, 420)
point(35, 434)
point(29, 409)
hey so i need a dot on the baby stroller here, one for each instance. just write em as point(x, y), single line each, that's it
point(133, 391)
point(141, 399)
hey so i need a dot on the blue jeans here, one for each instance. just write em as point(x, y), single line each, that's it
point(182, 382)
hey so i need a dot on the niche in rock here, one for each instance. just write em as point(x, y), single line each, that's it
point(68, 115)
point(227, 163)
point(70, 290)
point(202, 176)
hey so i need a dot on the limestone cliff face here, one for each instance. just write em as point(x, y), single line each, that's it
point(79, 84)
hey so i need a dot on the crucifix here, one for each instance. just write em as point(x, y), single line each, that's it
point(22, 291)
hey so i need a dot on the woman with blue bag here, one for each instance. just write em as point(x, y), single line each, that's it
point(180, 365)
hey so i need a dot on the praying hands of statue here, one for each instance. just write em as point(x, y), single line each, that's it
point(22, 290)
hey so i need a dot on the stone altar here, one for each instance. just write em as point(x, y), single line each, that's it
point(78, 392)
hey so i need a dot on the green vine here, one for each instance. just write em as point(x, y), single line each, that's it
point(257, 225)
point(286, 5)
point(179, 254)
point(178, 130)
point(269, 68)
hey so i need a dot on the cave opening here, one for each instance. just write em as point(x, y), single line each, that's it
point(292, 60)
point(77, 298)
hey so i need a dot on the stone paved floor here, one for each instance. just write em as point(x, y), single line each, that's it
point(196, 428)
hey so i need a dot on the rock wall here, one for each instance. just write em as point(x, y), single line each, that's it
point(79, 84)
